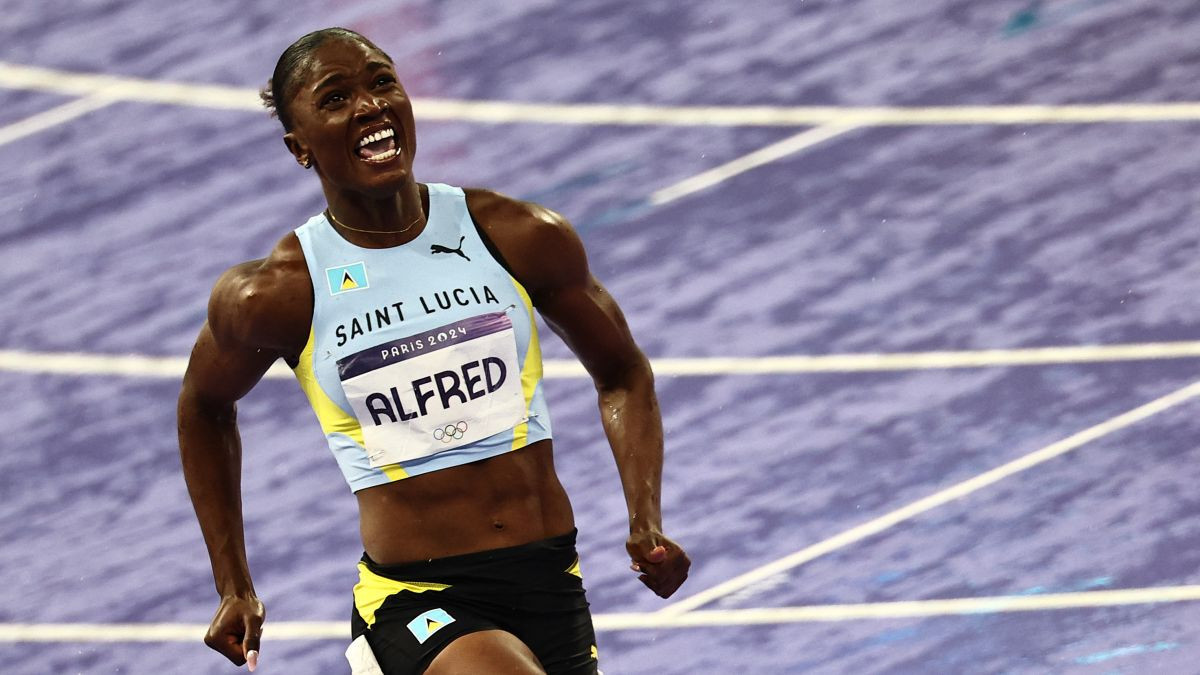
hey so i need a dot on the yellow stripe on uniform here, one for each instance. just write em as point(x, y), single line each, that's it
point(332, 418)
point(575, 569)
point(372, 590)
point(531, 371)
point(394, 471)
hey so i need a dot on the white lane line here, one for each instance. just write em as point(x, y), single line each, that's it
point(868, 362)
point(873, 527)
point(903, 609)
point(501, 112)
point(53, 117)
point(172, 367)
point(161, 632)
point(340, 630)
point(16, 76)
point(765, 155)
point(68, 363)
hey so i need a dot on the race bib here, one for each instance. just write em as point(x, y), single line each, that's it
point(436, 391)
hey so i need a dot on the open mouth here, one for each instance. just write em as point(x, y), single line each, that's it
point(377, 147)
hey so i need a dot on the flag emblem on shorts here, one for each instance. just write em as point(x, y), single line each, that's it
point(429, 623)
point(575, 570)
point(347, 278)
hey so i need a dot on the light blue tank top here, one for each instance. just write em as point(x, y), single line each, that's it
point(423, 356)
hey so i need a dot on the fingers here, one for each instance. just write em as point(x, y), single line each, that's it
point(235, 631)
point(661, 564)
point(646, 548)
point(250, 643)
point(663, 588)
point(664, 571)
point(657, 555)
point(227, 643)
point(663, 583)
point(240, 647)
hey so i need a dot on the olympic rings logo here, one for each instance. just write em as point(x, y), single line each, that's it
point(450, 432)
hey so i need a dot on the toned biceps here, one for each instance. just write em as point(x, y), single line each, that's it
point(589, 320)
point(222, 372)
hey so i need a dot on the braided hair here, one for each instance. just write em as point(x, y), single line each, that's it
point(280, 89)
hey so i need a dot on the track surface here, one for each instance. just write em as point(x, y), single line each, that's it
point(883, 239)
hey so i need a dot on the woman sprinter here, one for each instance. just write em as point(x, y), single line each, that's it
point(406, 311)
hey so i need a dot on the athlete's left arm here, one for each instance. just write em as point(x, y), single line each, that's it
point(551, 263)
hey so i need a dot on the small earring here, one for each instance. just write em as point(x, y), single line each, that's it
point(308, 162)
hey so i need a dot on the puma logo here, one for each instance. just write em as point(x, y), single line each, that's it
point(437, 248)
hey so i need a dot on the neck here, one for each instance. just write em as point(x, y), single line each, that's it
point(391, 220)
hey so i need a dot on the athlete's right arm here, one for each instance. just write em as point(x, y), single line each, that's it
point(236, 346)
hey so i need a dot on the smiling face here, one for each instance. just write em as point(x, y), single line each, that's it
point(352, 118)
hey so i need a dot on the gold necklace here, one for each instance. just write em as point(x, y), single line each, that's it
point(355, 229)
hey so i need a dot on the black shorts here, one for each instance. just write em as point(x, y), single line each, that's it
point(410, 612)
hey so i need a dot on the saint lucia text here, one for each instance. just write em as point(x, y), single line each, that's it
point(380, 317)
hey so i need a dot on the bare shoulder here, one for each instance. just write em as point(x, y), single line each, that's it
point(265, 303)
point(489, 205)
point(538, 244)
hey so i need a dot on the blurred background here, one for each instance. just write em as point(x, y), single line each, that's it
point(889, 260)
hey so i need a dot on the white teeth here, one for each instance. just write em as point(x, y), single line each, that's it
point(377, 136)
point(382, 157)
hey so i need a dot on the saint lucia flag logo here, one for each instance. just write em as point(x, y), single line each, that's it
point(347, 278)
point(429, 623)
